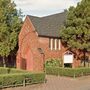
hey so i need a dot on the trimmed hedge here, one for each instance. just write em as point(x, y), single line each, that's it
point(12, 77)
point(68, 71)
point(10, 70)
point(20, 79)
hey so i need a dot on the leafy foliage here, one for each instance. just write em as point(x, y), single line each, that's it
point(11, 71)
point(17, 77)
point(68, 71)
point(76, 32)
point(54, 62)
point(10, 24)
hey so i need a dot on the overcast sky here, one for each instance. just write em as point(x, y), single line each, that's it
point(44, 7)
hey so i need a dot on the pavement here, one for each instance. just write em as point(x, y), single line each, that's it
point(59, 83)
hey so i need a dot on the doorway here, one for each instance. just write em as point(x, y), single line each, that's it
point(23, 64)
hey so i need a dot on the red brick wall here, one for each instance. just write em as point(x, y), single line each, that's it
point(29, 42)
point(44, 43)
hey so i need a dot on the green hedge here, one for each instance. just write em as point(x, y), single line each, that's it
point(54, 62)
point(68, 71)
point(13, 77)
point(7, 80)
point(10, 70)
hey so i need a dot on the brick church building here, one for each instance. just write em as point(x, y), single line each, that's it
point(39, 40)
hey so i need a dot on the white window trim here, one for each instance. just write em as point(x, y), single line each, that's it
point(51, 44)
point(55, 43)
point(59, 44)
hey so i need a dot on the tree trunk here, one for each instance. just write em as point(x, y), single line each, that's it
point(4, 63)
point(84, 53)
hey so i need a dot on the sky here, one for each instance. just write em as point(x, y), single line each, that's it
point(42, 8)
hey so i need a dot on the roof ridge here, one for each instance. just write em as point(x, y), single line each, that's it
point(33, 16)
point(53, 14)
point(47, 15)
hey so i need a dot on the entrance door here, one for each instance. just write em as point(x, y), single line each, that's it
point(23, 64)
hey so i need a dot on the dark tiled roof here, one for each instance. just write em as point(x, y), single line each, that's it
point(49, 25)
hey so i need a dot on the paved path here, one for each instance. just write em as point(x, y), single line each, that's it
point(59, 83)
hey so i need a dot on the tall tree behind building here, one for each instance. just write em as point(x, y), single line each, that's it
point(76, 32)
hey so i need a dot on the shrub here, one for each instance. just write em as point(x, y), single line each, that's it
point(3, 70)
point(14, 77)
point(10, 70)
point(19, 78)
point(54, 62)
point(68, 71)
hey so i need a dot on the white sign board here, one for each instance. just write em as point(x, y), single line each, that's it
point(68, 58)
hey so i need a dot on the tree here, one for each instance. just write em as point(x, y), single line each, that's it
point(10, 24)
point(76, 32)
